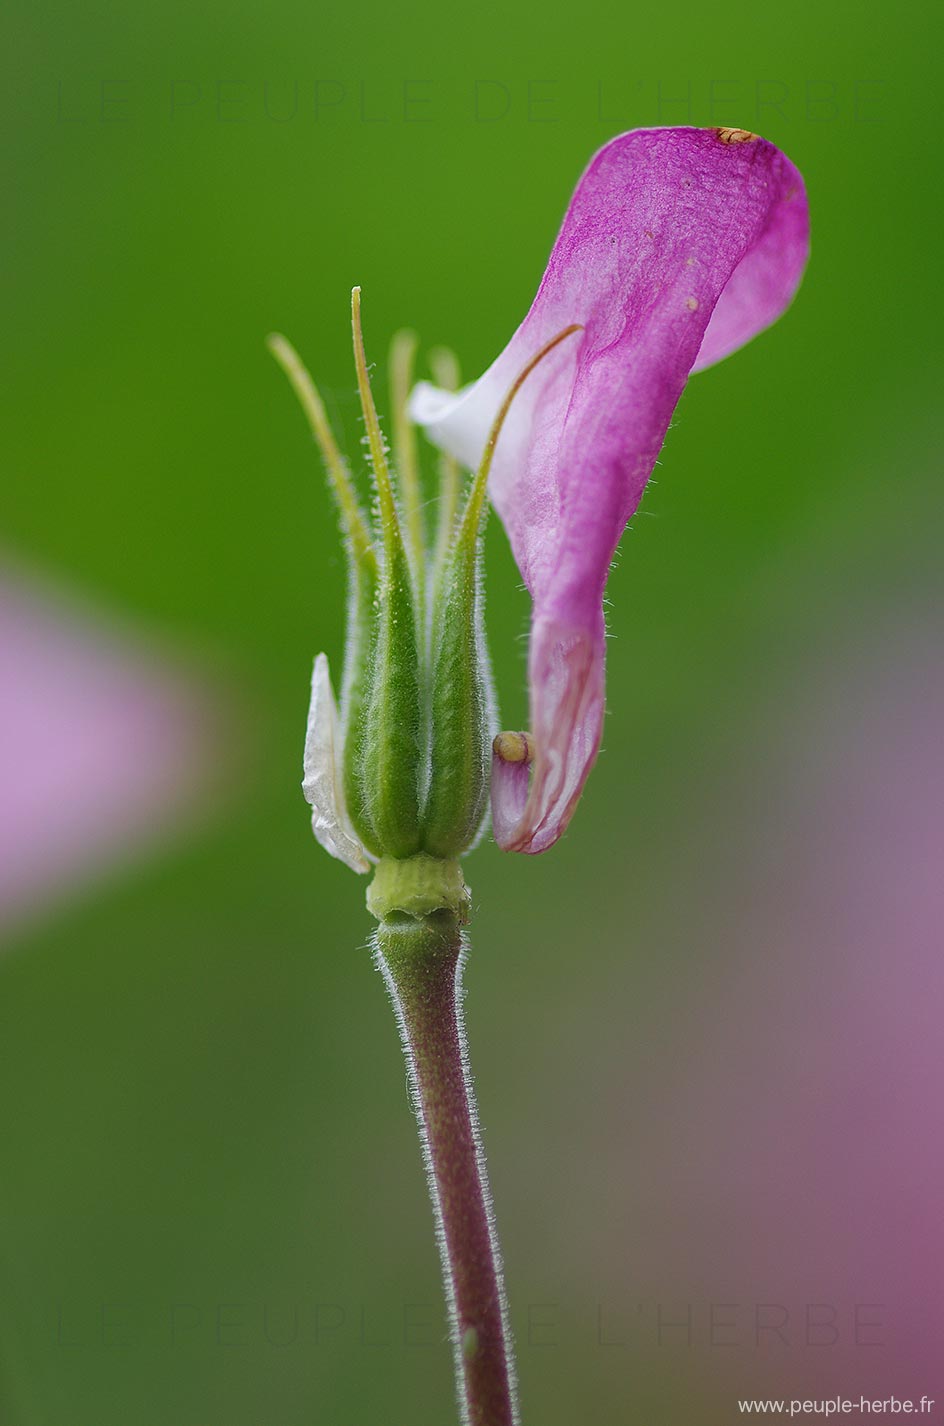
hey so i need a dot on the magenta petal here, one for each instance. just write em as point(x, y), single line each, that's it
point(566, 665)
point(510, 781)
point(679, 245)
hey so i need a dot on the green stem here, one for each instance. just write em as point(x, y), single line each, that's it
point(421, 959)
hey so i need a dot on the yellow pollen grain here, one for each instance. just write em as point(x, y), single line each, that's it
point(513, 747)
point(736, 136)
point(692, 304)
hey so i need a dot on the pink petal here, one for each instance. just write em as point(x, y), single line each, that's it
point(679, 245)
point(102, 748)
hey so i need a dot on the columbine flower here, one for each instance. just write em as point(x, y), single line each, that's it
point(400, 772)
point(679, 245)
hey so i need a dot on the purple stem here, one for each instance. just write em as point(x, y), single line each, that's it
point(422, 964)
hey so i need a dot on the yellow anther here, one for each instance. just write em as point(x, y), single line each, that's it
point(736, 136)
point(513, 747)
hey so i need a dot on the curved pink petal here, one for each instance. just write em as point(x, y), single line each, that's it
point(679, 245)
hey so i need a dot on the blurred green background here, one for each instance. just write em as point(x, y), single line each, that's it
point(213, 1212)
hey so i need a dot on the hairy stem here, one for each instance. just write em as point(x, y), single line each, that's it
point(421, 960)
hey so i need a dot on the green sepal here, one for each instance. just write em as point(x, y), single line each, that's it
point(388, 756)
point(462, 706)
point(358, 661)
point(386, 759)
point(363, 568)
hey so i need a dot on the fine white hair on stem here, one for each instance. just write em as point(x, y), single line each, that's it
point(455, 1325)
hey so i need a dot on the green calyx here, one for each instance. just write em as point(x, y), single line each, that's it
point(386, 767)
point(417, 713)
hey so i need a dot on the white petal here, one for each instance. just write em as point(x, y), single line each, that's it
point(322, 783)
point(457, 422)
